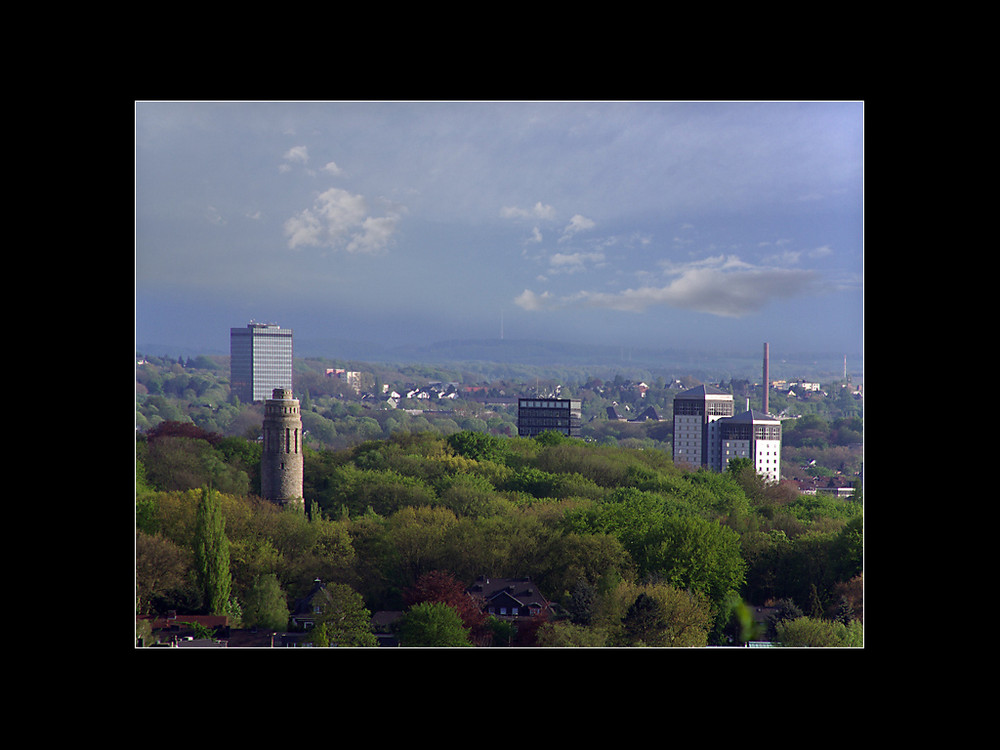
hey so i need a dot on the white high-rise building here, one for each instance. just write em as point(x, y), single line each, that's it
point(756, 436)
point(706, 433)
point(696, 414)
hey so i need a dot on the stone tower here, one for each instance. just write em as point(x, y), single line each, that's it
point(281, 463)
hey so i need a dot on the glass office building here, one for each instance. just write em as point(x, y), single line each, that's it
point(260, 360)
point(536, 415)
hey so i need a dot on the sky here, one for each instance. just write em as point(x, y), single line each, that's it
point(693, 225)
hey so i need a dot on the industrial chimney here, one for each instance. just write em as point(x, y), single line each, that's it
point(767, 375)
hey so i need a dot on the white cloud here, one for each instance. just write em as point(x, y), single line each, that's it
point(304, 229)
point(340, 220)
point(724, 286)
point(577, 224)
point(294, 155)
point(573, 262)
point(298, 154)
point(341, 210)
point(792, 257)
point(538, 211)
point(374, 236)
point(531, 301)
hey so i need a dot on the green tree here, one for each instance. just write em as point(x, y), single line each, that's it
point(161, 566)
point(478, 446)
point(343, 619)
point(441, 586)
point(431, 624)
point(418, 540)
point(745, 475)
point(211, 553)
point(502, 632)
point(847, 550)
point(693, 553)
point(567, 635)
point(645, 623)
point(580, 604)
point(265, 605)
point(318, 636)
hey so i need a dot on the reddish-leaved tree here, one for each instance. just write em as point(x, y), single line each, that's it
point(441, 586)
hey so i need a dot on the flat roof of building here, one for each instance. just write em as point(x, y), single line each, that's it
point(702, 391)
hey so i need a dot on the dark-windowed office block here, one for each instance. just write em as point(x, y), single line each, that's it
point(536, 415)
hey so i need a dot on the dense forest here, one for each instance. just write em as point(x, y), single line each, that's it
point(406, 507)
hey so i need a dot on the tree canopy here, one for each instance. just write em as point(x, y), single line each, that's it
point(629, 548)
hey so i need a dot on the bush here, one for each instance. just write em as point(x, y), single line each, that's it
point(809, 632)
point(431, 624)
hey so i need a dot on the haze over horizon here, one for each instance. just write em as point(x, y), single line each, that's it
point(662, 225)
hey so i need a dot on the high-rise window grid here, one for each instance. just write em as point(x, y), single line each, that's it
point(537, 415)
point(261, 357)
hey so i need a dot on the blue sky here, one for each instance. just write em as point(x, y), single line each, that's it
point(657, 224)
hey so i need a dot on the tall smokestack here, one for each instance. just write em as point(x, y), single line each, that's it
point(767, 374)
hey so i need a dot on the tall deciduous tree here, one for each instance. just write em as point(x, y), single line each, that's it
point(160, 567)
point(694, 553)
point(211, 553)
point(266, 606)
point(344, 619)
point(644, 623)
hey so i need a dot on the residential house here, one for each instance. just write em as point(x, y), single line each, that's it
point(512, 599)
point(176, 630)
point(649, 413)
point(383, 623)
point(307, 610)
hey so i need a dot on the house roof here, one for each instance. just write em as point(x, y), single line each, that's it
point(304, 606)
point(386, 617)
point(174, 621)
point(520, 590)
point(649, 413)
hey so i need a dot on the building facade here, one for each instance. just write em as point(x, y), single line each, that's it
point(536, 415)
point(756, 436)
point(260, 360)
point(696, 431)
point(707, 433)
point(281, 461)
